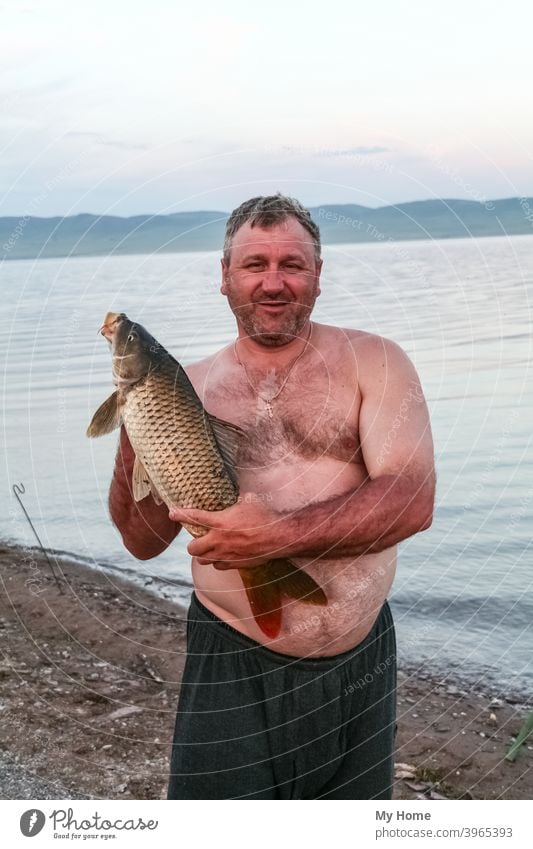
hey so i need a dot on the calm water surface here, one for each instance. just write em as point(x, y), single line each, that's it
point(461, 309)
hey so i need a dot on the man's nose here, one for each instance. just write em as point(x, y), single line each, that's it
point(273, 281)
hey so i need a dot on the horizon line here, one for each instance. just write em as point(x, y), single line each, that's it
point(445, 200)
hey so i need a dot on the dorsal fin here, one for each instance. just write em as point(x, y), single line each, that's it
point(228, 437)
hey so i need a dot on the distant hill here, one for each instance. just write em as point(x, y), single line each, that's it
point(93, 235)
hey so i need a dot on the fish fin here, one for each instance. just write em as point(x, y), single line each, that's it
point(228, 437)
point(295, 582)
point(107, 417)
point(264, 598)
point(155, 495)
point(195, 530)
point(141, 483)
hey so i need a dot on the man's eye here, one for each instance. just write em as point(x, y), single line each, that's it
point(293, 266)
point(254, 265)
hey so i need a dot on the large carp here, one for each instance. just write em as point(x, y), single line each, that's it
point(184, 456)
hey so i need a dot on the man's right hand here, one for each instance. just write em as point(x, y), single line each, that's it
point(145, 526)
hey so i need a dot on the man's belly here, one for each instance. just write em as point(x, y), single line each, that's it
point(356, 587)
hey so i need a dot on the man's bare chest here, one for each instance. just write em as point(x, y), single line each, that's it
point(307, 420)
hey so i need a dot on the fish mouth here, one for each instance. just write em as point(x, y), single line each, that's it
point(111, 324)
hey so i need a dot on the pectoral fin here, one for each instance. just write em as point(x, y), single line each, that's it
point(107, 417)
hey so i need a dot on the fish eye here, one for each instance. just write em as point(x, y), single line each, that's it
point(132, 337)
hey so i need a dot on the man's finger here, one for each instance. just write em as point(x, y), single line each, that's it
point(199, 547)
point(191, 516)
point(218, 564)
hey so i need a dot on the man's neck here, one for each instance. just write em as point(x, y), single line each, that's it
point(251, 351)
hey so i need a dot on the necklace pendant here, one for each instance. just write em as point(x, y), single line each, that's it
point(270, 411)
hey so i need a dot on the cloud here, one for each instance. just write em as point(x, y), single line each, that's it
point(361, 150)
point(86, 134)
point(124, 145)
point(108, 142)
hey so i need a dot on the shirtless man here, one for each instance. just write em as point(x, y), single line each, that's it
point(336, 470)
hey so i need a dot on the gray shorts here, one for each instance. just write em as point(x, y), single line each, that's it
point(255, 724)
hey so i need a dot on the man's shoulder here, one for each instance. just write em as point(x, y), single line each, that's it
point(200, 369)
point(378, 361)
point(363, 340)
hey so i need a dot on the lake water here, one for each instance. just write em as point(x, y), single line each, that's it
point(462, 310)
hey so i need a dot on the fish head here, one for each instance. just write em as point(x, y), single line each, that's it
point(134, 351)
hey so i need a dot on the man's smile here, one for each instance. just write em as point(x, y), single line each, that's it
point(273, 306)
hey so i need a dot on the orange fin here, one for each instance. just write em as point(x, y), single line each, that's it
point(295, 583)
point(265, 599)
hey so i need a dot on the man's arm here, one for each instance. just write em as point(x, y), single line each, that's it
point(398, 498)
point(145, 526)
point(395, 502)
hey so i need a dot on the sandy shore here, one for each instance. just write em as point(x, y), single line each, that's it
point(89, 680)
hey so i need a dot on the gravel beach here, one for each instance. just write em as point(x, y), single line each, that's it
point(89, 681)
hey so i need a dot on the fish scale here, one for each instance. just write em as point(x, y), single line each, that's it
point(171, 436)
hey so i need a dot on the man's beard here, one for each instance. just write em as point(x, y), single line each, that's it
point(287, 327)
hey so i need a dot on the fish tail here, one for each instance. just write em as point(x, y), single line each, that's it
point(266, 584)
point(264, 598)
point(294, 583)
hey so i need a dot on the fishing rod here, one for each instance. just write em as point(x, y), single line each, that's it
point(18, 490)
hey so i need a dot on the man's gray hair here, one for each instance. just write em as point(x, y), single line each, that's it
point(266, 211)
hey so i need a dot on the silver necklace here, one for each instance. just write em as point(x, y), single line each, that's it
point(268, 401)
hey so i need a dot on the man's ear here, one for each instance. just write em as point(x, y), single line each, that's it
point(225, 275)
point(318, 264)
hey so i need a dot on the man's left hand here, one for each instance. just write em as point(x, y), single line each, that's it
point(235, 535)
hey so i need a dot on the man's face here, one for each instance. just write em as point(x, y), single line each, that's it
point(272, 280)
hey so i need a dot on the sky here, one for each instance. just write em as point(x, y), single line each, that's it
point(148, 107)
